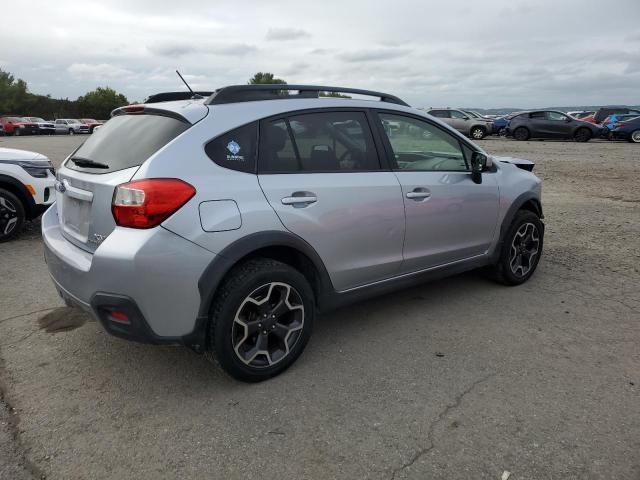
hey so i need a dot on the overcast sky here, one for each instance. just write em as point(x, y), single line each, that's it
point(531, 53)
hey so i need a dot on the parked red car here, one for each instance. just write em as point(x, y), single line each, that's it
point(601, 114)
point(91, 122)
point(18, 126)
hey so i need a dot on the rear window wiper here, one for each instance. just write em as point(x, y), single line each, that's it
point(87, 163)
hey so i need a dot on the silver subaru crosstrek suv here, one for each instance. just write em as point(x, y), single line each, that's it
point(227, 223)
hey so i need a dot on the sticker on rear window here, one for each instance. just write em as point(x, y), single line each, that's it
point(234, 149)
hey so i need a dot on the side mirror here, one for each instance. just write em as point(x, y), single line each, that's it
point(478, 164)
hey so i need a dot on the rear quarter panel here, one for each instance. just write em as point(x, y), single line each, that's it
point(185, 158)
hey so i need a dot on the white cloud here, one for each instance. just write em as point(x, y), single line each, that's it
point(97, 71)
point(286, 33)
point(482, 55)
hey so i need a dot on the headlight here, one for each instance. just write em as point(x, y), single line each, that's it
point(37, 169)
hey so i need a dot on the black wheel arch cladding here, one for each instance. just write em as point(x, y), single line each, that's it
point(247, 246)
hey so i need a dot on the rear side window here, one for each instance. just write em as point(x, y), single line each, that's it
point(538, 115)
point(126, 141)
point(440, 113)
point(319, 142)
point(235, 150)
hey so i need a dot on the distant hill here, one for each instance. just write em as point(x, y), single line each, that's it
point(505, 110)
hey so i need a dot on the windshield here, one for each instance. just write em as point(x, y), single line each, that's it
point(89, 120)
point(35, 119)
point(73, 120)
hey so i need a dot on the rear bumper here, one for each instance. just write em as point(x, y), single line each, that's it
point(151, 275)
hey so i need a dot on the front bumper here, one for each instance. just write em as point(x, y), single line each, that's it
point(152, 274)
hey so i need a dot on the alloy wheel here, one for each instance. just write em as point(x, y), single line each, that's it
point(521, 134)
point(635, 136)
point(524, 249)
point(8, 216)
point(582, 135)
point(477, 133)
point(267, 325)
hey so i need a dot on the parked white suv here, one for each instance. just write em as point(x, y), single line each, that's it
point(27, 181)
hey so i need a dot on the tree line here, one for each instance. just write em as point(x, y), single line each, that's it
point(15, 99)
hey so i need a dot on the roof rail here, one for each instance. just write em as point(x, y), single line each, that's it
point(250, 93)
point(172, 96)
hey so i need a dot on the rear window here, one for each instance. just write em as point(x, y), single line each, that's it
point(235, 150)
point(126, 141)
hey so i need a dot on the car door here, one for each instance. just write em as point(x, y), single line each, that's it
point(321, 173)
point(538, 124)
point(449, 218)
point(61, 126)
point(559, 125)
point(460, 121)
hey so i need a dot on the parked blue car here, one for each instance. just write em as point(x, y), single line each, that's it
point(629, 130)
point(500, 125)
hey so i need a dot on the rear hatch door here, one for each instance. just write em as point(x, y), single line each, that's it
point(110, 157)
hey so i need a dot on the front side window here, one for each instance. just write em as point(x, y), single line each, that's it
point(457, 114)
point(235, 150)
point(556, 116)
point(418, 145)
point(319, 142)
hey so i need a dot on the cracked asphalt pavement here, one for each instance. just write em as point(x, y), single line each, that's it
point(459, 379)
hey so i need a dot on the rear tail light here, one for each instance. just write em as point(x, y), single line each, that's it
point(148, 203)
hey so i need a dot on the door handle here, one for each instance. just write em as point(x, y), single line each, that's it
point(300, 199)
point(418, 194)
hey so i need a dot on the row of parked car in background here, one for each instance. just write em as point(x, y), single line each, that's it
point(613, 123)
point(17, 125)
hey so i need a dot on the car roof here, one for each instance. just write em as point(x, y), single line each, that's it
point(195, 110)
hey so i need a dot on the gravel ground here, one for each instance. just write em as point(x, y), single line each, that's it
point(455, 380)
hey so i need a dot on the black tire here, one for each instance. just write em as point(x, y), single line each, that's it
point(582, 135)
point(71, 132)
point(634, 137)
point(521, 133)
point(248, 281)
point(502, 132)
point(478, 133)
point(503, 271)
point(16, 132)
point(12, 215)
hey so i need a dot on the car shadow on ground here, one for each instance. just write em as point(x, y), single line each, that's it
point(342, 337)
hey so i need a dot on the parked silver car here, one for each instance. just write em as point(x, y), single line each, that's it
point(467, 123)
point(45, 128)
point(71, 126)
point(226, 223)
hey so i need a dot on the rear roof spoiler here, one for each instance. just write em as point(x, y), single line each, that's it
point(173, 96)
